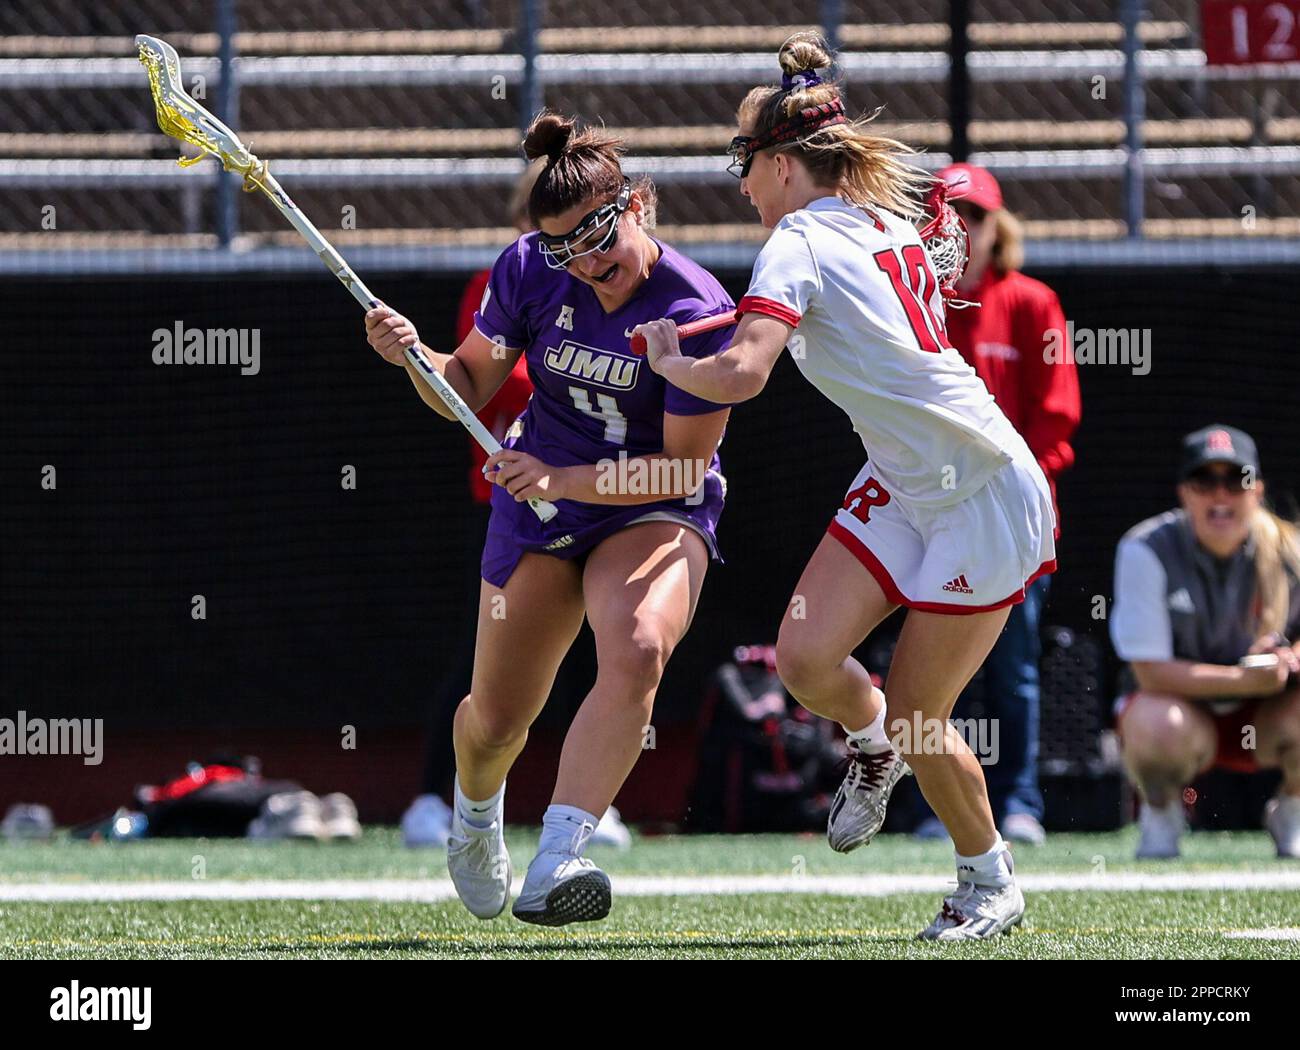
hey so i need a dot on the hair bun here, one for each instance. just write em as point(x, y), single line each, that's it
point(804, 53)
point(547, 136)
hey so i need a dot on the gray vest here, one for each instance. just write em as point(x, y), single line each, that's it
point(1212, 602)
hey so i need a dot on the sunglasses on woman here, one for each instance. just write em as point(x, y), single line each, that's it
point(1207, 481)
point(597, 232)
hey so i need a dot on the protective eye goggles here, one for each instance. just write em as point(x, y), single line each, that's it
point(741, 151)
point(597, 232)
point(805, 122)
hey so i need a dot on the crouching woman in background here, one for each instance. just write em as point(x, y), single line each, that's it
point(1207, 602)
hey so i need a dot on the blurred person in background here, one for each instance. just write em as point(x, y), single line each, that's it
point(1207, 600)
point(427, 821)
point(1004, 339)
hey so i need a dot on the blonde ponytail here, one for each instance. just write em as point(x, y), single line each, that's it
point(1277, 550)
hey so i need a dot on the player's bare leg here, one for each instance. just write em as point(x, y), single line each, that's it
point(524, 630)
point(836, 604)
point(936, 656)
point(641, 587)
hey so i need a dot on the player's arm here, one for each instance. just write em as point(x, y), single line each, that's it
point(675, 473)
point(737, 373)
point(475, 371)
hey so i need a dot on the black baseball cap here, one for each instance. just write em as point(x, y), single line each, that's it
point(1218, 444)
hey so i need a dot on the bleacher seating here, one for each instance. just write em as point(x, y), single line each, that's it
point(329, 91)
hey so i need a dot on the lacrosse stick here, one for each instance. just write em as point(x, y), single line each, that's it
point(182, 118)
point(947, 243)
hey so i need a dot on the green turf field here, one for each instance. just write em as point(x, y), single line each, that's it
point(655, 918)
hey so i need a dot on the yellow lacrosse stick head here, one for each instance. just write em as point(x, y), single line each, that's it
point(182, 118)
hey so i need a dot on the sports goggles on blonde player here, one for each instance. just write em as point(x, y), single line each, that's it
point(597, 232)
point(813, 118)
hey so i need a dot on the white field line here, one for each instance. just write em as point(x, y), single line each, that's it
point(430, 891)
point(1281, 933)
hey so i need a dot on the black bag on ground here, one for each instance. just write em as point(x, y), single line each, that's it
point(214, 799)
point(765, 763)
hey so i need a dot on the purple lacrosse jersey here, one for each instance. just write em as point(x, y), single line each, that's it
point(593, 399)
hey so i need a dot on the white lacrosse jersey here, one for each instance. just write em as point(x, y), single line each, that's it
point(859, 287)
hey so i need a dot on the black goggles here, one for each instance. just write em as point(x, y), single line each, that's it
point(597, 232)
point(813, 118)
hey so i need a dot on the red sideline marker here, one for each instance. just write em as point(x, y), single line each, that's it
point(704, 324)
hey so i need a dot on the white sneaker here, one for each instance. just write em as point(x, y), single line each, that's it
point(562, 887)
point(338, 815)
point(1282, 818)
point(858, 811)
point(427, 822)
point(1160, 828)
point(288, 815)
point(479, 865)
point(977, 912)
point(611, 831)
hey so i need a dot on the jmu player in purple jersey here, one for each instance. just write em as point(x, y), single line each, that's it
point(631, 463)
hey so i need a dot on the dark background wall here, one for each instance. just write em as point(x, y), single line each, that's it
point(328, 607)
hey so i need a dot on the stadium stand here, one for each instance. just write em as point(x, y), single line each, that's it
point(409, 113)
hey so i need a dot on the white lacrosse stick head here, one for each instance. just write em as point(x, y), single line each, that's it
point(945, 240)
point(182, 118)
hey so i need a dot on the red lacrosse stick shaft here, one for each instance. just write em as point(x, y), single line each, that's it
point(704, 324)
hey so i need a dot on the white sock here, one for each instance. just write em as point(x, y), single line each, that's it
point(993, 868)
point(560, 827)
point(479, 814)
point(873, 737)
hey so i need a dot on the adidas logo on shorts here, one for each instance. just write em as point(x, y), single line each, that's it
point(959, 585)
point(560, 544)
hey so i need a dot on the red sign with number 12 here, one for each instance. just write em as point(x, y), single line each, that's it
point(1244, 32)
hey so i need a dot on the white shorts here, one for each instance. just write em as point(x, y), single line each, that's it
point(973, 556)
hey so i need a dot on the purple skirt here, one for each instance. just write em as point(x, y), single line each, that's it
point(514, 530)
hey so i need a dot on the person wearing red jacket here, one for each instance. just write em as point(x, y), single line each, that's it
point(506, 404)
point(1005, 339)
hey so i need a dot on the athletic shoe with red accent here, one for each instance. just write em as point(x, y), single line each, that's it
point(977, 912)
point(858, 811)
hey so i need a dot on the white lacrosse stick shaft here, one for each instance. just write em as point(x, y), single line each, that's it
point(336, 265)
point(182, 118)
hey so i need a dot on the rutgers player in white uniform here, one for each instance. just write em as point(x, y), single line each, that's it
point(951, 516)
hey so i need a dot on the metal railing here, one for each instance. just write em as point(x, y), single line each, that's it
point(530, 71)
